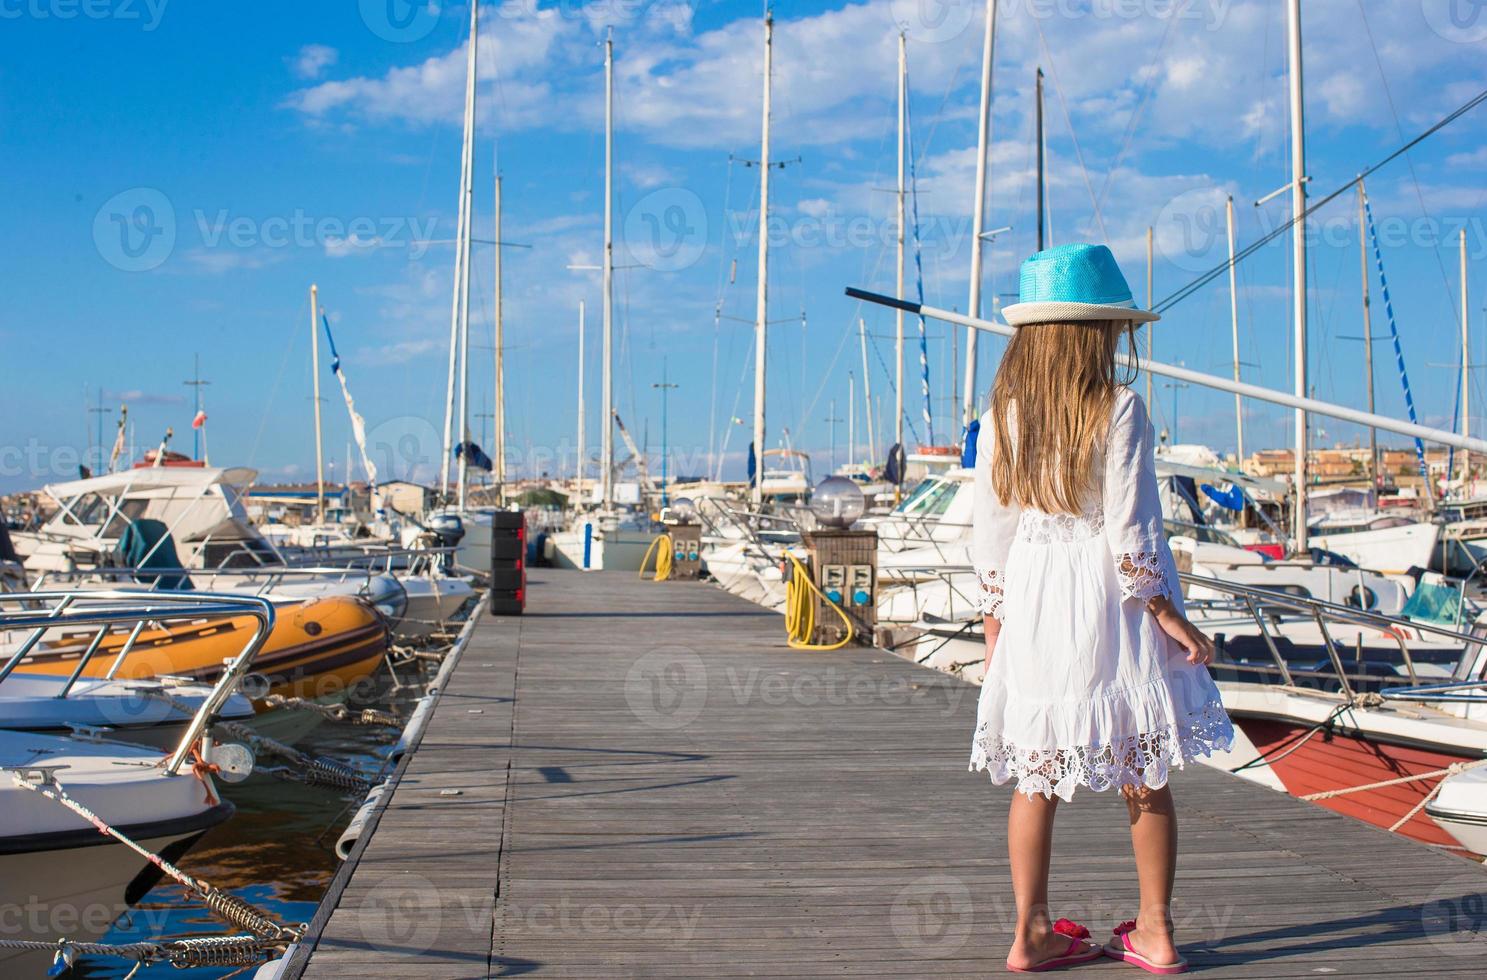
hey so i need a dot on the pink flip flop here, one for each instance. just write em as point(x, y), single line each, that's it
point(1120, 948)
point(1080, 950)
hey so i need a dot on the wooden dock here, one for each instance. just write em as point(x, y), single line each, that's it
point(640, 779)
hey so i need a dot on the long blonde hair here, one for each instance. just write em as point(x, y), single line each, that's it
point(1058, 380)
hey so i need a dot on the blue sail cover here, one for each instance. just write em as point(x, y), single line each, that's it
point(1230, 499)
point(968, 444)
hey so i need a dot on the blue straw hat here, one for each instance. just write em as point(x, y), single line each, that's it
point(1073, 282)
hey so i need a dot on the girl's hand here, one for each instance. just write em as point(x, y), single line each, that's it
point(1198, 646)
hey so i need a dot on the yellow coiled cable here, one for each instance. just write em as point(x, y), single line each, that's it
point(663, 558)
point(800, 611)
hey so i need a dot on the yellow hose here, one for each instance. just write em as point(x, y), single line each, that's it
point(800, 611)
point(663, 558)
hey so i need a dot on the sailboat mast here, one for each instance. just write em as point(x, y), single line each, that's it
point(1298, 257)
point(978, 213)
point(1466, 377)
point(1234, 332)
point(315, 398)
point(1038, 139)
point(1373, 434)
point(761, 310)
point(606, 453)
point(867, 392)
point(461, 224)
point(578, 469)
point(464, 409)
point(898, 314)
point(500, 365)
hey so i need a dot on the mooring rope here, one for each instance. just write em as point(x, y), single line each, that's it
point(235, 910)
point(335, 712)
point(1450, 770)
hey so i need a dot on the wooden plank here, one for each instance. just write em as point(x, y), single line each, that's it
point(642, 779)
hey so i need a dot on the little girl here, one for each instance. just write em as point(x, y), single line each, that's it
point(1094, 675)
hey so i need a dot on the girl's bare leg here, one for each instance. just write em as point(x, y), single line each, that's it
point(1030, 849)
point(1154, 840)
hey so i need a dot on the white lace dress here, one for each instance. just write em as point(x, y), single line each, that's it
point(1084, 688)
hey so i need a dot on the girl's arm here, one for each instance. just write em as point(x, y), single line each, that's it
point(994, 526)
point(1133, 526)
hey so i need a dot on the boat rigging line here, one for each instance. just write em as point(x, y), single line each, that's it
point(1313, 405)
point(1223, 267)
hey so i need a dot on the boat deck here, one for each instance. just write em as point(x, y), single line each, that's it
point(641, 779)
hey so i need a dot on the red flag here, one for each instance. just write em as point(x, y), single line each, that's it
point(200, 420)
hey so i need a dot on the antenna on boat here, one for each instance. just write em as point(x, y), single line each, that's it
point(1038, 140)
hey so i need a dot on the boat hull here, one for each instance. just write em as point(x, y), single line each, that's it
point(1332, 760)
point(78, 891)
point(316, 649)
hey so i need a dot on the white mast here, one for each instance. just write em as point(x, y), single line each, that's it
point(606, 452)
point(315, 396)
point(1373, 434)
point(500, 367)
point(1298, 256)
point(1234, 330)
point(1149, 331)
point(461, 230)
point(978, 213)
point(761, 311)
point(581, 448)
point(898, 315)
point(851, 417)
point(1466, 377)
point(867, 392)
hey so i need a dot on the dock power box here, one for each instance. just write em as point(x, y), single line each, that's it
point(844, 566)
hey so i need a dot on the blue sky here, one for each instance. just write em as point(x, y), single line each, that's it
point(274, 145)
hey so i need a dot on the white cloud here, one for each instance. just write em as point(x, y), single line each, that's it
point(313, 60)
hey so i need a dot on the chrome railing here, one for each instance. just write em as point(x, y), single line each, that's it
point(110, 611)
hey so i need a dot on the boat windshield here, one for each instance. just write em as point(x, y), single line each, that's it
point(922, 496)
